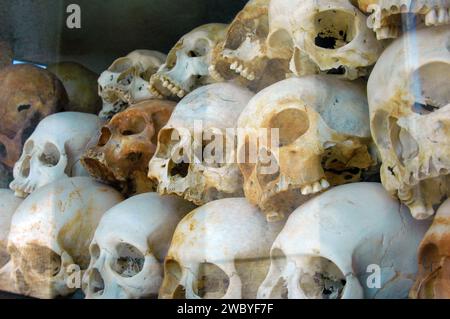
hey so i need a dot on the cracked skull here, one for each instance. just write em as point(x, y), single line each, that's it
point(129, 247)
point(27, 95)
point(220, 250)
point(410, 118)
point(336, 246)
point(126, 81)
point(322, 36)
point(433, 279)
point(389, 18)
point(243, 55)
point(120, 153)
point(187, 64)
point(323, 139)
point(51, 232)
point(190, 160)
point(53, 151)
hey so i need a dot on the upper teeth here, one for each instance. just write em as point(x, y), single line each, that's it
point(242, 71)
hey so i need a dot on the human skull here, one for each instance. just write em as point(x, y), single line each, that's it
point(322, 36)
point(323, 139)
point(27, 95)
point(6, 54)
point(219, 250)
point(433, 279)
point(120, 153)
point(353, 241)
point(242, 56)
point(51, 232)
point(388, 17)
point(126, 81)
point(409, 105)
point(187, 65)
point(81, 86)
point(53, 151)
point(129, 247)
point(8, 205)
point(185, 162)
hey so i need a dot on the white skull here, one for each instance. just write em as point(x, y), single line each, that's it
point(390, 17)
point(51, 232)
point(409, 104)
point(53, 151)
point(187, 65)
point(183, 163)
point(126, 81)
point(220, 250)
point(129, 247)
point(323, 140)
point(351, 242)
point(322, 36)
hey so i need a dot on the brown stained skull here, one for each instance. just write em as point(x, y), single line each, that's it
point(120, 154)
point(27, 95)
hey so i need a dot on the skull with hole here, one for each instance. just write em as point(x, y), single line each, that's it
point(126, 81)
point(187, 65)
point(51, 232)
point(120, 153)
point(53, 151)
point(336, 246)
point(219, 250)
point(129, 247)
point(319, 135)
point(433, 279)
point(409, 105)
point(27, 95)
point(322, 36)
point(196, 150)
point(390, 17)
point(242, 56)
point(6, 54)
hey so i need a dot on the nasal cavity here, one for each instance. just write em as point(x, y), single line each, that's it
point(334, 29)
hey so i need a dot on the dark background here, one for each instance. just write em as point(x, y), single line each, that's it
point(36, 29)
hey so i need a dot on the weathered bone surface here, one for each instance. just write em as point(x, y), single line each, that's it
point(27, 95)
point(129, 247)
point(81, 86)
point(125, 82)
point(433, 279)
point(182, 164)
point(321, 36)
point(188, 63)
point(409, 104)
point(324, 139)
point(353, 241)
point(120, 152)
point(50, 236)
point(243, 55)
point(219, 250)
point(53, 151)
point(390, 18)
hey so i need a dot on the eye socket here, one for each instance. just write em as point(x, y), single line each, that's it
point(50, 156)
point(130, 260)
point(23, 107)
point(335, 29)
point(292, 124)
point(135, 125)
point(212, 282)
point(201, 48)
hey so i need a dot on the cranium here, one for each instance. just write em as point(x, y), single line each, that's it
point(219, 250)
point(389, 17)
point(353, 241)
point(120, 153)
point(51, 232)
point(433, 279)
point(187, 65)
point(126, 81)
point(184, 162)
point(243, 55)
point(27, 95)
point(323, 140)
point(53, 151)
point(322, 36)
point(410, 118)
point(129, 247)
